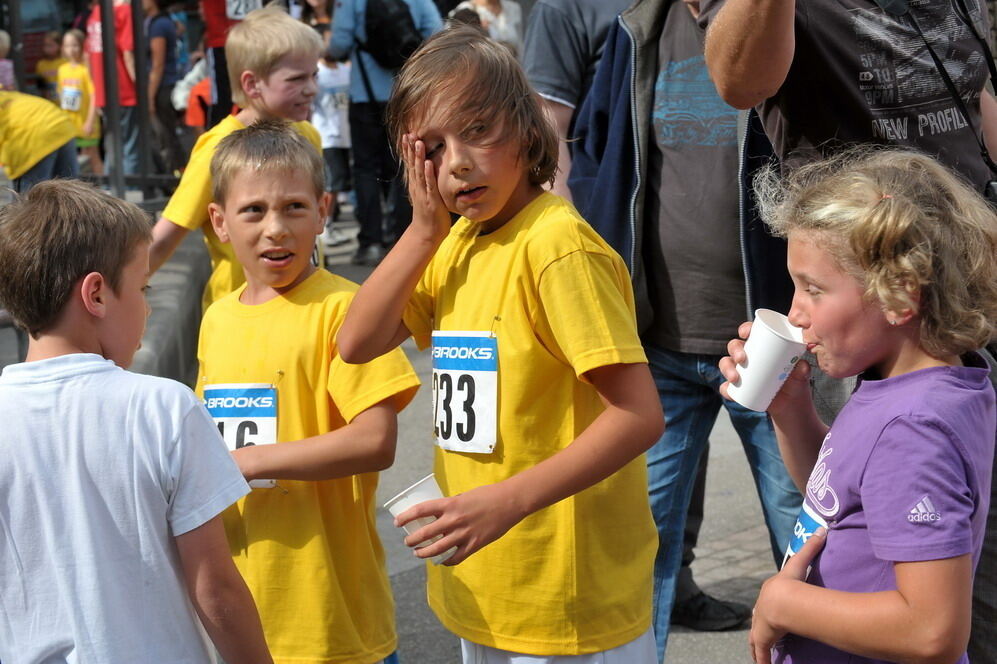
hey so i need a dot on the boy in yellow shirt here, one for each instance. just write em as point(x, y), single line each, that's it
point(543, 400)
point(270, 372)
point(272, 65)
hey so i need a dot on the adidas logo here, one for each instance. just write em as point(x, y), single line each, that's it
point(924, 512)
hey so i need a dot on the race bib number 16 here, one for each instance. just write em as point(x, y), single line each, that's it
point(465, 391)
point(246, 414)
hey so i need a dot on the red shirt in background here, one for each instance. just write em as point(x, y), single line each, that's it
point(123, 39)
point(216, 22)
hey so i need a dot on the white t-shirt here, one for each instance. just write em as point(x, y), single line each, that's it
point(331, 106)
point(99, 469)
point(506, 28)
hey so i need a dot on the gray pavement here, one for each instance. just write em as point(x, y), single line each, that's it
point(732, 560)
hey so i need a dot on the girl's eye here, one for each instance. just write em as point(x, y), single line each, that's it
point(476, 131)
point(432, 152)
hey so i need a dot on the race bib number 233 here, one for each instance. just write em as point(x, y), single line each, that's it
point(465, 391)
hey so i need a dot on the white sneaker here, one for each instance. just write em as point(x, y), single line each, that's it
point(333, 237)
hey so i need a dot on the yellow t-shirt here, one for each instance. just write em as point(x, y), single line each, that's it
point(75, 89)
point(47, 69)
point(309, 551)
point(31, 128)
point(575, 577)
point(188, 207)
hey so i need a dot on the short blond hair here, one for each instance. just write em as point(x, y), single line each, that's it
point(57, 233)
point(915, 234)
point(4, 43)
point(266, 146)
point(259, 41)
point(484, 82)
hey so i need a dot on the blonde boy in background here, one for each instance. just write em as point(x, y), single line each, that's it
point(308, 547)
point(75, 93)
point(272, 64)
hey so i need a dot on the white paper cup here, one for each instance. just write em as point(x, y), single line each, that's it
point(773, 348)
point(423, 490)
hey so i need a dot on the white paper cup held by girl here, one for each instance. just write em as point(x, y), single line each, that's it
point(773, 348)
point(423, 490)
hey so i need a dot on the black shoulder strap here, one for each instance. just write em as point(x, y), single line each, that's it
point(901, 8)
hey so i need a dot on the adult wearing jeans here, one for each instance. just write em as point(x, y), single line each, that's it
point(826, 74)
point(163, 74)
point(681, 238)
point(376, 170)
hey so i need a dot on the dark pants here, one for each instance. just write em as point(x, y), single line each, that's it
point(171, 154)
point(221, 89)
point(376, 173)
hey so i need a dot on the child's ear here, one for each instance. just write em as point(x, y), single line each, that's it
point(93, 290)
point(250, 84)
point(217, 215)
point(324, 205)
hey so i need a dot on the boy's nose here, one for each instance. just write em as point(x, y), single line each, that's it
point(460, 162)
point(274, 227)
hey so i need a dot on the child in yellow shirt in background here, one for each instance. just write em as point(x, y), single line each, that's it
point(47, 68)
point(36, 140)
point(74, 89)
point(544, 402)
point(272, 66)
point(271, 372)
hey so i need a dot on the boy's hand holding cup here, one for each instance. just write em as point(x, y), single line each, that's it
point(756, 369)
point(424, 490)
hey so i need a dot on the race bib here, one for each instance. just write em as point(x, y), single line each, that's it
point(236, 10)
point(807, 524)
point(70, 99)
point(465, 391)
point(246, 414)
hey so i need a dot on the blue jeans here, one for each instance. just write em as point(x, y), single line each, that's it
point(128, 134)
point(687, 386)
point(60, 163)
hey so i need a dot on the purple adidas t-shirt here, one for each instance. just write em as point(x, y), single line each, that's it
point(902, 476)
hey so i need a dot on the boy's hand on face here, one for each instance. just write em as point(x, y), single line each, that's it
point(775, 596)
point(429, 213)
point(468, 521)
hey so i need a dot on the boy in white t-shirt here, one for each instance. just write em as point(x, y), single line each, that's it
point(111, 483)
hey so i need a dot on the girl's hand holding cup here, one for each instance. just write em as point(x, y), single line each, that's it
point(778, 361)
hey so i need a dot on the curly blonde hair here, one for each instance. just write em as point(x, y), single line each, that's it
point(914, 234)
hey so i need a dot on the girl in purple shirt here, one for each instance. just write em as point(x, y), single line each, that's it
point(893, 260)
